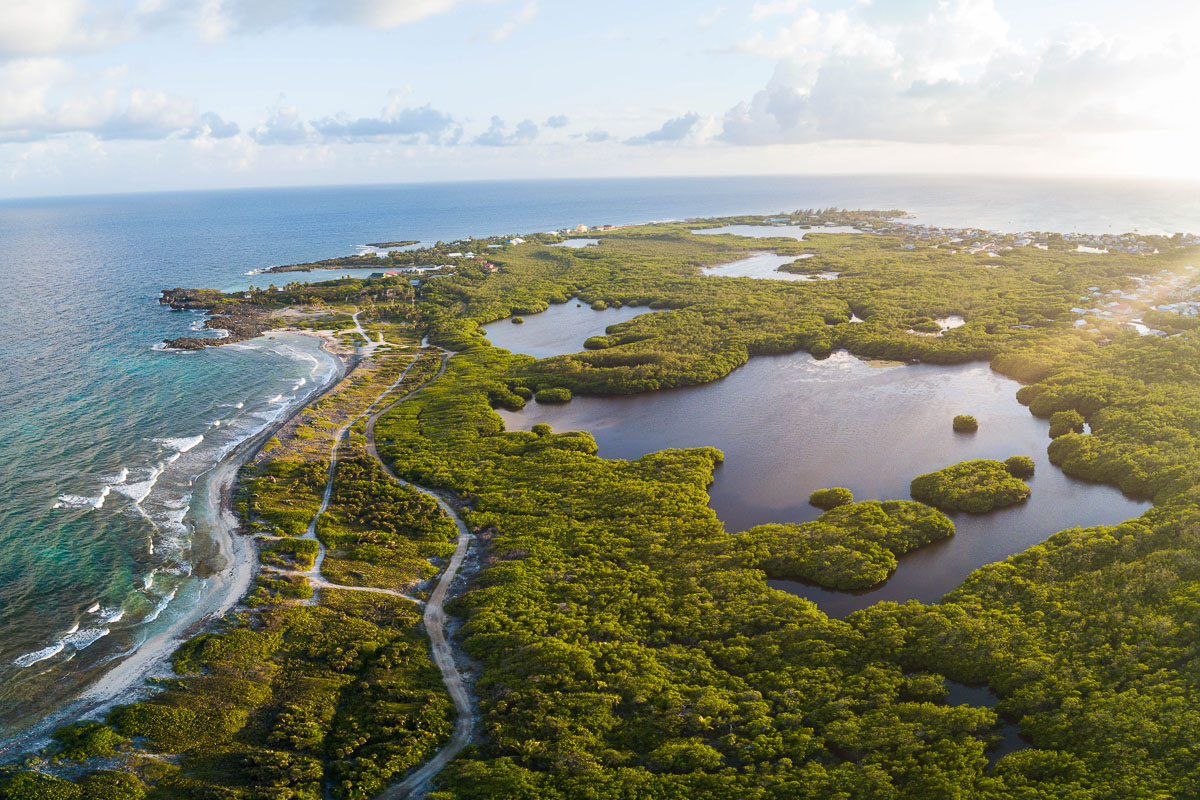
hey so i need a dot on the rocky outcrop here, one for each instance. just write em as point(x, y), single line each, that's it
point(239, 321)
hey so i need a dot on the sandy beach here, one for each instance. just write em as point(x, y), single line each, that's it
point(224, 559)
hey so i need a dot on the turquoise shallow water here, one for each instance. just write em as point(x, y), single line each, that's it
point(105, 442)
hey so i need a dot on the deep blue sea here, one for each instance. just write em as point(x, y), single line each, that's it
point(105, 442)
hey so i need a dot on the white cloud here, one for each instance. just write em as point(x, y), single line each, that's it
point(945, 71)
point(214, 20)
point(523, 17)
point(46, 27)
point(773, 8)
point(284, 126)
point(689, 127)
point(404, 124)
point(497, 134)
point(42, 98)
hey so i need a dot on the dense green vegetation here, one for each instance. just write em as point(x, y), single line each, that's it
point(1064, 422)
point(628, 645)
point(965, 423)
point(972, 486)
point(294, 698)
point(556, 394)
point(850, 547)
point(826, 499)
point(1019, 466)
point(378, 532)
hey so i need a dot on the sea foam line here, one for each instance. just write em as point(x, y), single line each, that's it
point(180, 444)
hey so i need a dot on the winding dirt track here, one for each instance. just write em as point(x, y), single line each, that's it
point(435, 627)
point(434, 609)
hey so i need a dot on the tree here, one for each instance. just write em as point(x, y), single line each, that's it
point(965, 423)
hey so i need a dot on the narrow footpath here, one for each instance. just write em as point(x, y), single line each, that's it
point(435, 626)
point(434, 615)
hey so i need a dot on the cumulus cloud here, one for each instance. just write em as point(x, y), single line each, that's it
point(409, 124)
point(406, 125)
point(557, 121)
point(42, 98)
point(212, 126)
point(497, 134)
point(940, 71)
point(596, 136)
point(284, 126)
point(673, 130)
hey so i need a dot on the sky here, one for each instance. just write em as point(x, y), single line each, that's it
point(133, 95)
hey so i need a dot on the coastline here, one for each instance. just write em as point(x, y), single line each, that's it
point(226, 562)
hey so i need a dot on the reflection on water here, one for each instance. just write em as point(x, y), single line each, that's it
point(559, 330)
point(791, 424)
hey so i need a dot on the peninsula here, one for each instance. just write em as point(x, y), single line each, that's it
point(443, 607)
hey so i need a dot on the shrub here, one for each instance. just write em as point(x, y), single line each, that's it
point(965, 423)
point(86, 739)
point(542, 429)
point(972, 486)
point(826, 499)
point(1019, 466)
point(557, 394)
point(36, 786)
point(1064, 422)
point(853, 546)
point(523, 392)
point(518, 320)
point(110, 785)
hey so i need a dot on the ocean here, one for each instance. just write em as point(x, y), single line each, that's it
point(106, 443)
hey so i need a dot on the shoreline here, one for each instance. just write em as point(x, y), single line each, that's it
point(226, 560)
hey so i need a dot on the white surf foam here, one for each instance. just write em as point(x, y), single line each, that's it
point(93, 608)
point(162, 605)
point(84, 638)
point(137, 491)
point(182, 443)
point(39, 655)
point(78, 501)
point(119, 477)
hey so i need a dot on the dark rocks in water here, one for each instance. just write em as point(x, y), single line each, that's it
point(241, 321)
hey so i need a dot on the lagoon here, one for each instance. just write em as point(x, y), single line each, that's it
point(791, 424)
point(559, 330)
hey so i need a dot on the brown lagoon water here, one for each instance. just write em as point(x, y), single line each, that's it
point(791, 424)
